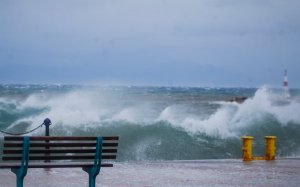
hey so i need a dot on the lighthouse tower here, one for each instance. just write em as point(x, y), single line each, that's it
point(285, 85)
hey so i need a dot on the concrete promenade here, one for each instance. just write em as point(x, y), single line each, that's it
point(206, 173)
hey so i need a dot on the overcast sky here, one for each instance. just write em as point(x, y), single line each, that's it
point(244, 43)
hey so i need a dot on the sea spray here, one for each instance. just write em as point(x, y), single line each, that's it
point(157, 123)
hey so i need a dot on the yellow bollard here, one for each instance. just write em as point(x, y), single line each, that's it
point(270, 147)
point(247, 148)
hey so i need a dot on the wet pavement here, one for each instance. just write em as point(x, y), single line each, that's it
point(208, 173)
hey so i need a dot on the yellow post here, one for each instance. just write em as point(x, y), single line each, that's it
point(247, 148)
point(270, 147)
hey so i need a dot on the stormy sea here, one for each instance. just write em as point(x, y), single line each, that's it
point(157, 124)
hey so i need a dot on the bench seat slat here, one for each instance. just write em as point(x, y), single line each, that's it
point(41, 151)
point(37, 138)
point(53, 165)
point(64, 157)
point(75, 144)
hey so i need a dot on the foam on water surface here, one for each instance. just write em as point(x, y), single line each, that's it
point(158, 123)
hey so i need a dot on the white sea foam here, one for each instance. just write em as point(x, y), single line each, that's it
point(218, 124)
point(89, 107)
point(266, 102)
point(84, 107)
point(230, 117)
point(73, 108)
point(137, 114)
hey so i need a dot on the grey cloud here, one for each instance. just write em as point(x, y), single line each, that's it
point(229, 35)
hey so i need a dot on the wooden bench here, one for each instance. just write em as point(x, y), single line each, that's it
point(89, 153)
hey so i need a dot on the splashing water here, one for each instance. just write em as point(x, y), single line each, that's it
point(158, 123)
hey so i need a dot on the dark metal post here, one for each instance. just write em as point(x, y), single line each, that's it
point(47, 123)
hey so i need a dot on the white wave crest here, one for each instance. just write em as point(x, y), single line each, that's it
point(74, 108)
point(90, 107)
point(229, 118)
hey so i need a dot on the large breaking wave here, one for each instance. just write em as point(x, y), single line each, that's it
point(184, 123)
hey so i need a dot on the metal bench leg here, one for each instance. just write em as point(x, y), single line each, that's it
point(22, 170)
point(92, 181)
point(94, 170)
point(20, 175)
point(92, 175)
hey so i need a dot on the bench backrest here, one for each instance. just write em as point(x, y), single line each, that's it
point(68, 148)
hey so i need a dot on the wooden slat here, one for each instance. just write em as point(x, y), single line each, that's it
point(76, 144)
point(59, 138)
point(41, 151)
point(67, 165)
point(42, 148)
point(64, 157)
point(53, 165)
point(51, 144)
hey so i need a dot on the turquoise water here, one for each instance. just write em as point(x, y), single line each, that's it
point(158, 123)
